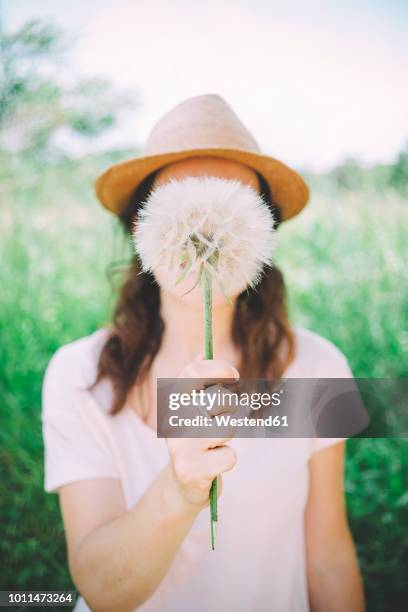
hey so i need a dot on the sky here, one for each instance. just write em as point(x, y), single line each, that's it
point(316, 81)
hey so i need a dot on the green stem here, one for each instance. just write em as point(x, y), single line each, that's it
point(208, 354)
point(207, 298)
point(213, 509)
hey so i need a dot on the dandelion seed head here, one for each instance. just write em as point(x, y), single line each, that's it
point(222, 224)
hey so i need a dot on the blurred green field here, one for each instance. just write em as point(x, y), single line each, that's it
point(344, 260)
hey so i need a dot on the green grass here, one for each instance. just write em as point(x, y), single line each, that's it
point(343, 259)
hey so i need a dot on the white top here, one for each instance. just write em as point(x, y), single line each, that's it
point(259, 560)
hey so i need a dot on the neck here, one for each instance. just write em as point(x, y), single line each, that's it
point(183, 336)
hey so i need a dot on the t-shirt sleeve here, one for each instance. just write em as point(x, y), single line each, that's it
point(77, 443)
point(333, 365)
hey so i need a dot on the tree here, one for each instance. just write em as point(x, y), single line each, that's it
point(348, 176)
point(399, 174)
point(39, 96)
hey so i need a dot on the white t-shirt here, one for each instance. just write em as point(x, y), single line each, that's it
point(259, 560)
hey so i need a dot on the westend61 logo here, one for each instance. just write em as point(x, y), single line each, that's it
point(224, 407)
point(288, 408)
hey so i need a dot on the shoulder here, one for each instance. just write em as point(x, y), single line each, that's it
point(77, 360)
point(316, 345)
point(70, 372)
point(317, 356)
point(77, 435)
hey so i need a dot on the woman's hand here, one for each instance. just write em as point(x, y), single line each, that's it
point(197, 461)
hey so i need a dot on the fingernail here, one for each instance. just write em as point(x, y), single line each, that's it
point(235, 372)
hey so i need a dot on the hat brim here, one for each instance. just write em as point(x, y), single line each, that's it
point(288, 190)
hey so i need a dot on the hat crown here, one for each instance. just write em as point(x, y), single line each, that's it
point(200, 122)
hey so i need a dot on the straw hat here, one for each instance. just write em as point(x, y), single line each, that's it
point(201, 126)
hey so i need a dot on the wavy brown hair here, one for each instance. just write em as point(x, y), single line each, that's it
point(260, 328)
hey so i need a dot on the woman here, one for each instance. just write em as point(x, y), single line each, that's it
point(134, 506)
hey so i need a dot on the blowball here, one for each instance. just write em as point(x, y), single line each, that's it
point(222, 225)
